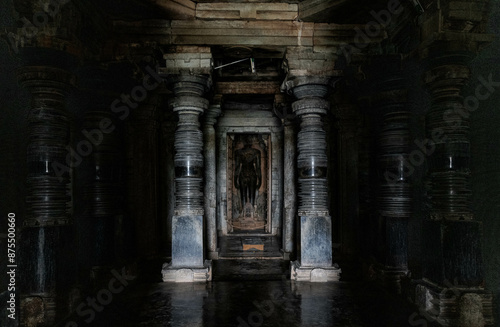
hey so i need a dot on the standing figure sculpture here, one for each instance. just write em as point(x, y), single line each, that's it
point(247, 177)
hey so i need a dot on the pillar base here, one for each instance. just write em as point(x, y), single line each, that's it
point(187, 275)
point(314, 274)
point(214, 255)
point(454, 305)
point(390, 277)
point(37, 310)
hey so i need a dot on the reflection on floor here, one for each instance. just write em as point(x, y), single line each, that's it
point(249, 303)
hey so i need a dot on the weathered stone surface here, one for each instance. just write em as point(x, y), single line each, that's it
point(209, 152)
point(453, 305)
point(254, 10)
point(308, 274)
point(315, 241)
point(239, 87)
point(195, 60)
point(171, 273)
point(452, 250)
point(187, 241)
point(289, 193)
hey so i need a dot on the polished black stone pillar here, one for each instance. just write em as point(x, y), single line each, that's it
point(389, 101)
point(452, 291)
point(142, 175)
point(187, 223)
point(315, 255)
point(99, 195)
point(46, 233)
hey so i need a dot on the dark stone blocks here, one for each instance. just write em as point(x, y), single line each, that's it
point(187, 241)
point(452, 252)
point(396, 230)
point(316, 241)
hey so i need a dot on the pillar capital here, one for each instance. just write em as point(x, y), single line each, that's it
point(189, 85)
point(58, 79)
point(309, 86)
point(211, 114)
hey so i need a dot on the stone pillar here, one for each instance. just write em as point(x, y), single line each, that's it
point(452, 291)
point(315, 224)
point(46, 235)
point(389, 103)
point(290, 194)
point(99, 180)
point(209, 152)
point(167, 175)
point(348, 125)
point(142, 175)
point(188, 76)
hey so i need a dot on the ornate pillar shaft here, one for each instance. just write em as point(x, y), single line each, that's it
point(188, 159)
point(188, 76)
point(452, 251)
point(393, 155)
point(142, 160)
point(99, 179)
point(348, 126)
point(315, 232)
point(211, 178)
point(46, 232)
point(312, 162)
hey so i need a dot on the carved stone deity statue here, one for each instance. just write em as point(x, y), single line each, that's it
point(247, 175)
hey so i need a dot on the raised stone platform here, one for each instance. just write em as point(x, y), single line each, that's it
point(314, 274)
point(187, 275)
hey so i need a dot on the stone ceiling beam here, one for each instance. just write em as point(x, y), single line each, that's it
point(255, 10)
point(245, 87)
point(274, 34)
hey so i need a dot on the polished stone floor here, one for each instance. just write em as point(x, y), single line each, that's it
point(249, 300)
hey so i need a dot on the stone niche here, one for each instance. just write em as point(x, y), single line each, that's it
point(250, 143)
point(248, 178)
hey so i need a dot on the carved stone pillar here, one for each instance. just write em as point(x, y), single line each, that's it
point(290, 193)
point(315, 252)
point(142, 174)
point(452, 291)
point(188, 76)
point(389, 103)
point(347, 129)
point(99, 180)
point(209, 152)
point(46, 233)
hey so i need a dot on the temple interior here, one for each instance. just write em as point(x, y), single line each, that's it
point(250, 163)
